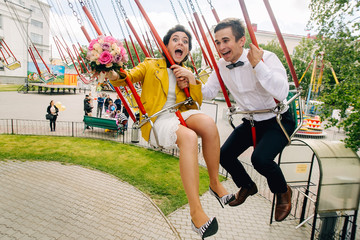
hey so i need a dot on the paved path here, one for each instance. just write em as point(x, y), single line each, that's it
point(49, 200)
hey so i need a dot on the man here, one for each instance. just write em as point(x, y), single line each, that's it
point(107, 99)
point(100, 105)
point(87, 106)
point(254, 78)
point(118, 102)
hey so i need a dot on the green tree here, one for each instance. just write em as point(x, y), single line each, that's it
point(338, 25)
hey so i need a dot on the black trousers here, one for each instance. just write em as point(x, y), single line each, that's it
point(270, 140)
point(53, 123)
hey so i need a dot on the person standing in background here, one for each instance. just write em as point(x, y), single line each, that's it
point(53, 110)
point(100, 105)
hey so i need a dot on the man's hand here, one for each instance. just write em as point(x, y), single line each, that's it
point(255, 55)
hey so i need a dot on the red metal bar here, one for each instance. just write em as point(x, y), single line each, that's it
point(147, 46)
point(151, 48)
point(253, 133)
point(210, 34)
point(92, 20)
point(126, 105)
point(85, 33)
point(216, 68)
point(162, 45)
point(59, 50)
point(215, 15)
point(127, 46)
point(248, 23)
point(9, 49)
point(138, 38)
point(282, 43)
point(136, 52)
point(34, 60)
point(4, 56)
point(42, 59)
point(181, 119)
point(250, 28)
point(157, 45)
point(133, 90)
point(193, 63)
point(199, 42)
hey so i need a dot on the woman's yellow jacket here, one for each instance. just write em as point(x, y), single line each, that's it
point(153, 75)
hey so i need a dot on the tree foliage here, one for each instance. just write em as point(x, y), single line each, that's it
point(338, 26)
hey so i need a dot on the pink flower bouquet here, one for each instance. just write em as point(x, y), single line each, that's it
point(106, 53)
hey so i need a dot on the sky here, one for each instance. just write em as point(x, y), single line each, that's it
point(291, 15)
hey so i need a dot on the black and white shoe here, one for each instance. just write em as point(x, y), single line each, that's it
point(206, 230)
point(224, 200)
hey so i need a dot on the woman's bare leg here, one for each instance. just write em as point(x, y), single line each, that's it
point(189, 171)
point(206, 128)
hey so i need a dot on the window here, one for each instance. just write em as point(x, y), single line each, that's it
point(36, 23)
point(41, 52)
point(36, 38)
point(35, 9)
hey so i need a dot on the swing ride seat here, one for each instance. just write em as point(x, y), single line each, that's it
point(13, 65)
point(102, 123)
point(296, 112)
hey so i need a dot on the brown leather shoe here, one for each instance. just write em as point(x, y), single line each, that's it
point(242, 194)
point(283, 204)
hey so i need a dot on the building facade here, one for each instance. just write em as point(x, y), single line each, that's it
point(23, 24)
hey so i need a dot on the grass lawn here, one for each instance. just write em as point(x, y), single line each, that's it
point(9, 87)
point(154, 173)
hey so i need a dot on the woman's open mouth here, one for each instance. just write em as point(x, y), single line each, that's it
point(178, 53)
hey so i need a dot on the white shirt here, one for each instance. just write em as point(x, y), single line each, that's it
point(252, 88)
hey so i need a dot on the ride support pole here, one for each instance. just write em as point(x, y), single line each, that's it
point(282, 43)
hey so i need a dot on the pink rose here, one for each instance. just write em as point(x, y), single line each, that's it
point(110, 39)
point(105, 57)
point(123, 54)
point(91, 44)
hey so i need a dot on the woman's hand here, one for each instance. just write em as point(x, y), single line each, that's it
point(112, 75)
point(184, 77)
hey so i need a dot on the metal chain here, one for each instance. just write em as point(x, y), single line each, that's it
point(122, 9)
point(117, 17)
point(198, 7)
point(182, 8)
point(82, 3)
point(122, 12)
point(192, 6)
point(172, 5)
point(209, 1)
point(75, 13)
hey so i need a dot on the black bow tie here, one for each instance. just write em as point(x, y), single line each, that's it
point(234, 65)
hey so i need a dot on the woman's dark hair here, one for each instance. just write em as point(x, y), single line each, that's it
point(177, 28)
point(237, 27)
point(51, 102)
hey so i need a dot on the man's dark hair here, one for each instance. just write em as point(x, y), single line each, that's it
point(237, 27)
point(177, 28)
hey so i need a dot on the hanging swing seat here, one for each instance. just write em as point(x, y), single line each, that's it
point(47, 77)
point(68, 63)
point(292, 103)
point(14, 64)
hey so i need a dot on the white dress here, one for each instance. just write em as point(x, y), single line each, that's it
point(167, 124)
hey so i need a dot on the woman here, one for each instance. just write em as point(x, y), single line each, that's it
point(159, 90)
point(53, 110)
